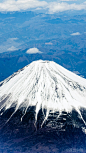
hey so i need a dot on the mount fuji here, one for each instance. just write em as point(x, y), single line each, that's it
point(43, 109)
point(48, 89)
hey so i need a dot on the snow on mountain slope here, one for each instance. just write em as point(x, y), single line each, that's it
point(46, 85)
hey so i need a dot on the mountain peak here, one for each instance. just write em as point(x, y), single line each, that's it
point(45, 85)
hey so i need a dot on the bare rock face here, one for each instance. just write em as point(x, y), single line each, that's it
point(43, 107)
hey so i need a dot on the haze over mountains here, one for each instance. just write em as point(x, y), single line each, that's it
point(60, 37)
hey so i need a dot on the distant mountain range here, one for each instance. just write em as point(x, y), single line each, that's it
point(60, 38)
point(11, 62)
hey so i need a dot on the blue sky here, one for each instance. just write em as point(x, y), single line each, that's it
point(47, 5)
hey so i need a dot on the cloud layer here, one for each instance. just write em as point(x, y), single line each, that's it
point(21, 5)
point(52, 7)
point(64, 6)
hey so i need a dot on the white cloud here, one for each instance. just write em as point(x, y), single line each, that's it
point(12, 48)
point(64, 6)
point(33, 51)
point(50, 7)
point(48, 43)
point(18, 5)
point(68, 0)
point(76, 34)
point(13, 39)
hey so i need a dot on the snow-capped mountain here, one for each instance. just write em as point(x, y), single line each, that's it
point(46, 86)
